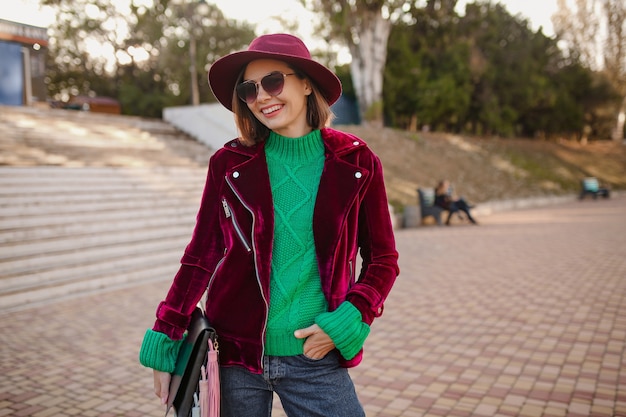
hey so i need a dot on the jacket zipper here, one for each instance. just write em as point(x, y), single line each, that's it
point(256, 268)
point(229, 214)
point(217, 267)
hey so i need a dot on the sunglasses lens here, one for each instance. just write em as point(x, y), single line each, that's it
point(247, 91)
point(273, 83)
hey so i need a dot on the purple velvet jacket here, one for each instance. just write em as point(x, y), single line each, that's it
point(231, 246)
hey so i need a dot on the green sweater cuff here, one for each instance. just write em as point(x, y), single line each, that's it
point(159, 351)
point(346, 329)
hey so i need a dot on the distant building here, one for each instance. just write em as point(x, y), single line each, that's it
point(346, 111)
point(93, 104)
point(23, 50)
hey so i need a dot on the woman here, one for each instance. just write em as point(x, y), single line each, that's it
point(285, 210)
point(445, 199)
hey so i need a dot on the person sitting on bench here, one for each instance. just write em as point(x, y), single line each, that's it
point(445, 198)
point(591, 186)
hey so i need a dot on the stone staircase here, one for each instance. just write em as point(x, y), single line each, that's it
point(90, 202)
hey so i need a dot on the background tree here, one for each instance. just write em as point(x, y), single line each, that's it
point(148, 64)
point(427, 78)
point(167, 30)
point(595, 30)
point(81, 26)
point(509, 69)
point(364, 27)
point(615, 57)
point(485, 73)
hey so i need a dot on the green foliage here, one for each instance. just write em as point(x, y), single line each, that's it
point(485, 73)
point(143, 92)
point(343, 73)
point(144, 84)
point(427, 81)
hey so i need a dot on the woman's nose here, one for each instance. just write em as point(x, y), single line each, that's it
point(262, 94)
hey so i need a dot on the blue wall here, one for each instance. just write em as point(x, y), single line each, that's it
point(11, 74)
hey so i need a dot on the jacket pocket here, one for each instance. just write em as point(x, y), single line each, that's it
point(231, 215)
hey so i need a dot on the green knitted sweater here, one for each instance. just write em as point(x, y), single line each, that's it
point(296, 300)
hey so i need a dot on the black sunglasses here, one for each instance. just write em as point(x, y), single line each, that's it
point(272, 83)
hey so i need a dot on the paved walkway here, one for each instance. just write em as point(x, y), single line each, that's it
point(524, 315)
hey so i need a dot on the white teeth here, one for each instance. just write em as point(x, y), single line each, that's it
point(271, 109)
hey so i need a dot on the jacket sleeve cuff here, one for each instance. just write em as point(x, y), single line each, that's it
point(159, 352)
point(346, 329)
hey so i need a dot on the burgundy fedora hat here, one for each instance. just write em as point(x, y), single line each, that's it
point(224, 72)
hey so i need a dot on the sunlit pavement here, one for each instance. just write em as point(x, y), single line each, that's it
point(524, 315)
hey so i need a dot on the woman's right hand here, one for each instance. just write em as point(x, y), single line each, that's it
point(162, 385)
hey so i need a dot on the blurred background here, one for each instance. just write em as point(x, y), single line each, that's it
point(107, 123)
point(539, 69)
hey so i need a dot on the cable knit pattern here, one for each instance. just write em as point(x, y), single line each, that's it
point(159, 351)
point(295, 167)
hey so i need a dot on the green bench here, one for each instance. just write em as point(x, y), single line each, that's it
point(591, 186)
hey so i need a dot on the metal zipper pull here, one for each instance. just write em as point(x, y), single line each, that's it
point(226, 208)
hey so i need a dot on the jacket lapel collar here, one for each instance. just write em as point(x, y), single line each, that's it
point(339, 189)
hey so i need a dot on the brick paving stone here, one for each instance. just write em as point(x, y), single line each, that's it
point(524, 315)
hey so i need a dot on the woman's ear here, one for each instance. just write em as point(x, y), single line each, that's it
point(307, 87)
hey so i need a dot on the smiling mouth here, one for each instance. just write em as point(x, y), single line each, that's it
point(271, 109)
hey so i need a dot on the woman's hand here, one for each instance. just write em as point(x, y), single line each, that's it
point(317, 343)
point(162, 385)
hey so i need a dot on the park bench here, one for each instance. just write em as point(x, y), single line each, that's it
point(426, 197)
point(591, 186)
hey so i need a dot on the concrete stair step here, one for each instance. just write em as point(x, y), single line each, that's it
point(123, 225)
point(25, 207)
point(101, 185)
point(84, 270)
point(83, 256)
point(77, 174)
point(30, 213)
point(57, 290)
point(90, 202)
point(50, 181)
point(36, 137)
point(27, 249)
point(110, 216)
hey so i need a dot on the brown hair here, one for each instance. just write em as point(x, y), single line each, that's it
point(440, 187)
point(252, 131)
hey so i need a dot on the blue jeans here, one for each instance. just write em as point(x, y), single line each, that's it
point(306, 388)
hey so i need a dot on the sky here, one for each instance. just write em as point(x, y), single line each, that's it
point(260, 12)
